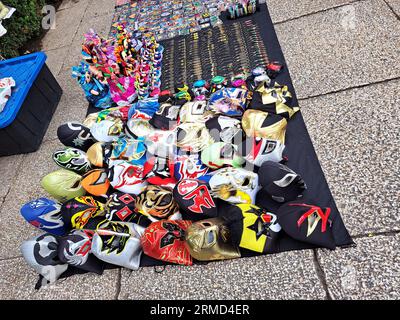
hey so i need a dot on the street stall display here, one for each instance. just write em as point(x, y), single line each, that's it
point(210, 164)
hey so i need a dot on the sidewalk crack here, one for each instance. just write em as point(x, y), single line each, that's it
point(391, 8)
point(321, 275)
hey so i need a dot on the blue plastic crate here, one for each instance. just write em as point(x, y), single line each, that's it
point(24, 70)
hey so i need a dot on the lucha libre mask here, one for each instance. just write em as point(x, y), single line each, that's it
point(193, 137)
point(160, 171)
point(166, 117)
point(308, 223)
point(63, 185)
point(41, 253)
point(126, 177)
point(253, 228)
point(132, 151)
point(190, 167)
point(220, 154)
point(161, 143)
point(234, 185)
point(96, 182)
point(225, 129)
point(194, 112)
point(79, 213)
point(122, 207)
point(165, 240)
point(276, 100)
point(194, 199)
point(231, 102)
point(75, 135)
point(137, 128)
point(118, 243)
point(218, 83)
point(44, 214)
point(209, 240)
point(90, 120)
point(99, 154)
point(75, 249)
point(200, 88)
point(263, 150)
point(157, 202)
point(280, 182)
point(107, 130)
point(264, 125)
point(72, 159)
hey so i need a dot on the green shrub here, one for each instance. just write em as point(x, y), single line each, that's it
point(24, 24)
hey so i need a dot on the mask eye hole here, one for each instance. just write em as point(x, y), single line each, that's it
point(246, 182)
point(206, 224)
point(76, 184)
point(210, 238)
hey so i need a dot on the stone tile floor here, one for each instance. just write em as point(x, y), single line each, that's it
point(343, 56)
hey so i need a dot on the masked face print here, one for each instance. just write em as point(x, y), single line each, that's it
point(157, 202)
point(307, 223)
point(194, 112)
point(276, 100)
point(263, 150)
point(63, 185)
point(132, 151)
point(118, 243)
point(225, 129)
point(253, 228)
point(220, 154)
point(72, 159)
point(209, 240)
point(193, 137)
point(75, 249)
point(44, 214)
point(189, 166)
point(194, 199)
point(161, 143)
point(234, 185)
point(107, 130)
point(127, 178)
point(75, 135)
point(231, 102)
point(165, 240)
point(280, 182)
point(96, 182)
point(79, 213)
point(40, 253)
point(264, 125)
point(160, 171)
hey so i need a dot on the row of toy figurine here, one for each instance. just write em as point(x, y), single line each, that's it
point(120, 70)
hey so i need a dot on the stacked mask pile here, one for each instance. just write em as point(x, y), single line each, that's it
point(172, 176)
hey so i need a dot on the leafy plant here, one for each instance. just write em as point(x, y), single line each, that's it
point(23, 25)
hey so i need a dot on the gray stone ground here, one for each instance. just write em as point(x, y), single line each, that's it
point(344, 61)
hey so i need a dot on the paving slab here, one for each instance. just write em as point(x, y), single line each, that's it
point(67, 4)
point(265, 277)
point(369, 271)
point(356, 136)
point(341, 48)
point(283, 10)
point(395, 5)
point(99, 8)
point(72, 107)
point(55, 59)
point(67, 24)
point(101, 25)
point(17, 282)
point(9, 169)
point(26, 187)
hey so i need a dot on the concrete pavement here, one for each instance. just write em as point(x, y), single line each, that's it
point(343, 57)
